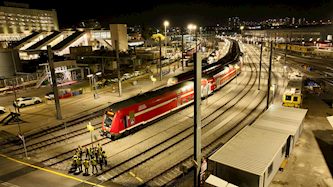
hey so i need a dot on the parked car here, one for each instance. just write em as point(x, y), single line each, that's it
point(49, 95)
point(126, 76)
point(115, 80)
point(25, 101)
point(2, 110)
point(136, 73)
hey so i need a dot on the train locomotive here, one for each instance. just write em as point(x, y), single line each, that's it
point(293, 94)
point(126, 116)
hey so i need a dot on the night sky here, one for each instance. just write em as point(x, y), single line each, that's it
point(180, 13)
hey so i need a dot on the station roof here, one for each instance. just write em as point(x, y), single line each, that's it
point(251, 150)
point(281, 119)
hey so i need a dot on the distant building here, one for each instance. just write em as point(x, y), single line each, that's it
point(90, 23)
point(119, 33)
point(18, 20)
point(233, 22)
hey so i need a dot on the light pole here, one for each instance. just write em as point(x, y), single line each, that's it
point(190, 28)
point(20, 135)
point(241, 28)
point(166, 24)
point(92, 81)
point(91, 129)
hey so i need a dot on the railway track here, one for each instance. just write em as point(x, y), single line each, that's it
point(46, 143)
point(107, 175)
point(50, 130)
point(141, 161)
point(245, 117)
point(37, 141)
point(183, 148)
point(69, 155)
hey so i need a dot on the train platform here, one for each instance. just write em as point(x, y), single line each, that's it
point(42, 116)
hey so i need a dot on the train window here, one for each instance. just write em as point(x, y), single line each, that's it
point(295, 98)
point(288, 97)
point(108, 121)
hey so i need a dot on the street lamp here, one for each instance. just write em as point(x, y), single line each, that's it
point(92, 82)
point(241, 28)
point(191, 27)
point(166, 24)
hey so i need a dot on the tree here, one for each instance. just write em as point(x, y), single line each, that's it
point(157, 36)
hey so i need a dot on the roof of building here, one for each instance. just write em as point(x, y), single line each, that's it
point(251, 150)
point(281, 119)
point(44, 40)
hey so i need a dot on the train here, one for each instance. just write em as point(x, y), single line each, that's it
point(232, 57)
point(293, 94)
point(305, 50)
point(128, 115)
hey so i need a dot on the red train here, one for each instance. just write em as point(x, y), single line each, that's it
point(143, 108)
point(231, 58)
point(124, 116)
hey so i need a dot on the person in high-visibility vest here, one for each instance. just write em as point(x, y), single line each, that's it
point(74, 163)
point(100, 161)
point(104, 158)
point(79, 151)
point(91, 152)
point(79, 164)
point(100, 149)
point(87, 151)
point(86, 166)
point(94, 165)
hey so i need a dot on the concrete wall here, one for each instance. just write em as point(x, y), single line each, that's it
point(9, 63)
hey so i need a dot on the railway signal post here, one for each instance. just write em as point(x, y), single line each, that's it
point(197, 119)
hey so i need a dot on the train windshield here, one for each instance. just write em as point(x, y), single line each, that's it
point(108, 119)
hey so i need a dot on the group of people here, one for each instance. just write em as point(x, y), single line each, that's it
point(93, 156)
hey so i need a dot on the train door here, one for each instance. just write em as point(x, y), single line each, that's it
point(179, 100)
point(205, 90)
point(218, 82)
point(125, 122)
point(129, 120)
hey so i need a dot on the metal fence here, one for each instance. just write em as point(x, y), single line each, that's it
point(20, 80)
